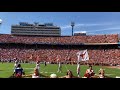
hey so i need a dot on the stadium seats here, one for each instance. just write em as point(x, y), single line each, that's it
point(99, 56)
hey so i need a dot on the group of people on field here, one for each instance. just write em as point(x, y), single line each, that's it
point(88, 74)
point(19, 72)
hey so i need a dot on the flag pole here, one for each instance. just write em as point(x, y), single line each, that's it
point(78, 64)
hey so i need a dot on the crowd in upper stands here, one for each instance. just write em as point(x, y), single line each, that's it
point(113, 38)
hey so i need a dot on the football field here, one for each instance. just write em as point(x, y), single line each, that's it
point(6, 69)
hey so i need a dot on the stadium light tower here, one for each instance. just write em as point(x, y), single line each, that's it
point(72, 24)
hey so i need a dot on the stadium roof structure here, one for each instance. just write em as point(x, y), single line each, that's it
point(61, 44)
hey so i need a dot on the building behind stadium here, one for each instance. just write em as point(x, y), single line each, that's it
point(46, 29)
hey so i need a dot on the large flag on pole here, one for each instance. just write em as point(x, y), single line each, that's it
point(82, 55)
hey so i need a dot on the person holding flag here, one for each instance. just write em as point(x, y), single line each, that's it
point(82, 56)
point(78, 69)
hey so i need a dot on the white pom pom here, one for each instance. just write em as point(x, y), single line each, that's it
point(53, 76)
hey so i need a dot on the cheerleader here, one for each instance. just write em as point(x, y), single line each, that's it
point(38, 65)
point(101, 73)
point(89, 72)
point(36, 73)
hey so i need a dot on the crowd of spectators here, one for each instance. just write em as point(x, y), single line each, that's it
point(113, 38)
point(96, 56)
point(99, 56)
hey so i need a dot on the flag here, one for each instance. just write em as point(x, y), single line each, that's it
point(82, 55)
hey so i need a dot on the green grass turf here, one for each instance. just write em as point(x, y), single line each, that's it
point(6, 69)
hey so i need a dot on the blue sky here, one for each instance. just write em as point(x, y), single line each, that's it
point(91, 22)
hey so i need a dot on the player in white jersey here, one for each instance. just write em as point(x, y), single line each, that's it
point(78, 69)
point(59, 67)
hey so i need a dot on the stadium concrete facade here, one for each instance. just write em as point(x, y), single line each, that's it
point(47, 29)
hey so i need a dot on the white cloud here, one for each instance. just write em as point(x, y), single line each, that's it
point(107, 29)
point(86, 25)
point(91, 33)
point(80, 31)
point(66, 27)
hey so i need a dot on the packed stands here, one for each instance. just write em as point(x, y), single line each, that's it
point(26, 48)
point(113, 38)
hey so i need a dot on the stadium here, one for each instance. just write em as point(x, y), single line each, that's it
point(103, 51)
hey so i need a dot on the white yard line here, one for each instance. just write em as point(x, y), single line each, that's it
point(109, 74)
point(28, 68)
point(48, 72)
point(42, 72)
